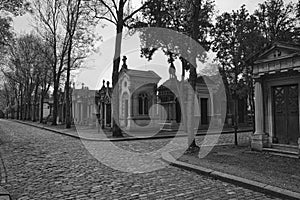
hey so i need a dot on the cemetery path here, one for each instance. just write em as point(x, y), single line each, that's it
point(44, 165)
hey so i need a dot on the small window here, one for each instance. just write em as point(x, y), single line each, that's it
point(143, 104)
point(125, 84)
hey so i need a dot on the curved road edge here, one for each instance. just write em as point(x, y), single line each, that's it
point(253, 185)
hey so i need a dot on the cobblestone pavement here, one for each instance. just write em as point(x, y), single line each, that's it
point(44, 165)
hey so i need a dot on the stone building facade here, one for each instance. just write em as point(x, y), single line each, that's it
point(83, 106)
point(277, 102)
point(137, 95)
point(142, 104)
point(103, 106)
point(145, 105)
point(172, 96)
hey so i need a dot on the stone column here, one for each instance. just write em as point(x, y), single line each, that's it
point(129, 123)
point(88, 113)
point(111, 115)
point(153, 114)
point(258, 137)
point(174, 112)
point(105, 110)
point(77, 112)
point(73, 110)
point(101, 110)
point(82, 110)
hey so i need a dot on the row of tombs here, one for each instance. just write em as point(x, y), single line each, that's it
point(144, 105)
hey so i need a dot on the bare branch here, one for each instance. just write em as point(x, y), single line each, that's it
point(136, 11)
point(110, 10)
point(107, 19)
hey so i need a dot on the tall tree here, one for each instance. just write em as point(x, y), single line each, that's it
point(119, 13)
point(297, 28)
point(46, 76)
point(192, 18)
point(64, 25)
point(28, 61)
point(24, 69)
point(237, 35)
point(14, 7)
point(48, 16)
point(78, 24)
point(276, 20)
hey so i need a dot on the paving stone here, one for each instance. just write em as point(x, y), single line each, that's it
point(44, 165)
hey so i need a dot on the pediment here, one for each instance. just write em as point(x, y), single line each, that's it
point(278, 51)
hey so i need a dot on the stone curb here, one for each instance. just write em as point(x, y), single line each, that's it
point(96, 139)
point(253, 185)
point(120, 139)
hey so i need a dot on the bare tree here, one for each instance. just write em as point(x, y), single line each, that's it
point(78, 24)
point(24, 68)
point(48, 18)
point(65, 26)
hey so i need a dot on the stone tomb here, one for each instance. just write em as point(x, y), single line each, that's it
point(277, 90)
point(137, 97)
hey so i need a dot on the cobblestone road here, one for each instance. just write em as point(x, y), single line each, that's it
point(44, 165)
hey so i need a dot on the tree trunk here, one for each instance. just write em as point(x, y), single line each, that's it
point(182, 99)
point(252, 105)
point(235, 104)
point(191, 107)
point(68, 105)
point(29, 109)
point(25, 102)
point(235, 119)
point(67, 92)
point(22, 105)
point(115, 77)
point(55, 103)
point(18, 109)
point(29, 101)
point(26, 106)
point(193, 76)
point(34, 117)
point(42, 108)
point(18, 104)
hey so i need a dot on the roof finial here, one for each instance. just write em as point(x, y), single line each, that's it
point(124, 66)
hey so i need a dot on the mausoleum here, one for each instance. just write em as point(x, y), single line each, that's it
point(137, 98)
point(277, 89)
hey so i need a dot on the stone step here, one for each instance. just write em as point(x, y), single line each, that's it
point(285, 155)
point(285, 147)
point(169, 126)
point(281, 152)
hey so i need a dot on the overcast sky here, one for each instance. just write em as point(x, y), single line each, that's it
point(22, 24)
point(100, 65)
